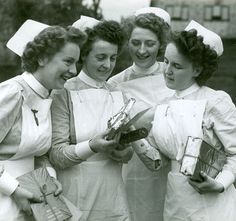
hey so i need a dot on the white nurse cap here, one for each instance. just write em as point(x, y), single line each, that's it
point(209, 37)
point(157, 11)
point(26, 33)
point(85, 22)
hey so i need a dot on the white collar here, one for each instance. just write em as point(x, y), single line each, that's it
point(35, 85)
point(90, 81)
point(180, 94)
point(142, 72)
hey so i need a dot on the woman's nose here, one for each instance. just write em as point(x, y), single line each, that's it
point(142, 49)
point(168, 69)
point(107, 63)
point(73, 69)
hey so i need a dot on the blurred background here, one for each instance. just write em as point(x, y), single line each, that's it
point(217, 15)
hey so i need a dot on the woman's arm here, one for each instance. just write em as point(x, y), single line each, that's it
point(10, 107)
point(223, 115)
point(220, 118)
point(63, 151)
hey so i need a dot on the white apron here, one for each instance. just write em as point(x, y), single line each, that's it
point(35, 141)
point(172, 125)
point(95, 185)
point(145, 189)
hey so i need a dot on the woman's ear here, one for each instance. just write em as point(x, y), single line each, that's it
point(42, 61)
point(197, 70)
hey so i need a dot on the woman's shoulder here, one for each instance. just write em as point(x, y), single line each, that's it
point(120, 77)
point(73, 83)
point(216, 95)
point(10, 98)
point(12, 87)
point(218, 99)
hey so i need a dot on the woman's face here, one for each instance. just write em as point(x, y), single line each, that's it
point(62, 66)
point(101, 60)
point(143, 47)
point(179, 71)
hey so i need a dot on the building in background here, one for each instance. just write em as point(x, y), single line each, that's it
point(217, 15)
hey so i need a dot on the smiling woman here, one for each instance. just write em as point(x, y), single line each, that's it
point(147, 33)
point(48, 58)
point(53, 55)
point(101, 60)
point(90, 166)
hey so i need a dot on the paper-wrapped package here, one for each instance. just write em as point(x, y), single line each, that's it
point(200, 156)
point(52, 208)
point(116, 122)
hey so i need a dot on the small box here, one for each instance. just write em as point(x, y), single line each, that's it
point(201, 156)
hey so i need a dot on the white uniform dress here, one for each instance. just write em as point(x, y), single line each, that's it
point(25, 122)
point(197, 112)
point(95, 185)
point(145, 189)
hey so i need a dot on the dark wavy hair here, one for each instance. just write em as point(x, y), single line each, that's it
point(47, 43)
point(192, 47)
point(151, 22)
point(109, 31)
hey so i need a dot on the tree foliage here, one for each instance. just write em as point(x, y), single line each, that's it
point(55, 12)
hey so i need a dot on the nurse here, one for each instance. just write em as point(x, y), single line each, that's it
point(90, 176)
point(194, 113)
point(48, 58)
point(147, 37)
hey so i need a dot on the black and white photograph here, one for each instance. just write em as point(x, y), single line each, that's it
point(117, 110)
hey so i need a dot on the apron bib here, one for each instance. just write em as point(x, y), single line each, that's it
point(35, 141)
point(148, 91)
point(172, 125)
point(144, 186)
point(95, 185)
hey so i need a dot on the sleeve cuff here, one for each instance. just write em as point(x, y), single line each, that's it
point(140, 146)
point(52, 172)
point(8, 184)
point(83, 150)
point(143, 147)
point(226, 178)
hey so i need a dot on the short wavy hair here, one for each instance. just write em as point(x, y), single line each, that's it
point(192, 47)
point(109, 31)
point(47, 43)
point(151, 22)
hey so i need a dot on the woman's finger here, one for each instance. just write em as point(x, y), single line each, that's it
point(26, 207)
point(59, 187)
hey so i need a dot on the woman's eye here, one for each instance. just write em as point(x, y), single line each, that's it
point(177, 66)
point(113, 59)
point(150, 43)
point(100, 57)
point(165, 61)
point(135, 42)
point(68, 62)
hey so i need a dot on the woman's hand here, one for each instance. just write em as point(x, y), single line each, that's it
point(58, 190)
point(99, 144)
point(123, 155)
point(23, 197)
point(208, 185)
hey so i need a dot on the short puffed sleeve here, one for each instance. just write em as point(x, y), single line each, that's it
point(10, 103)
